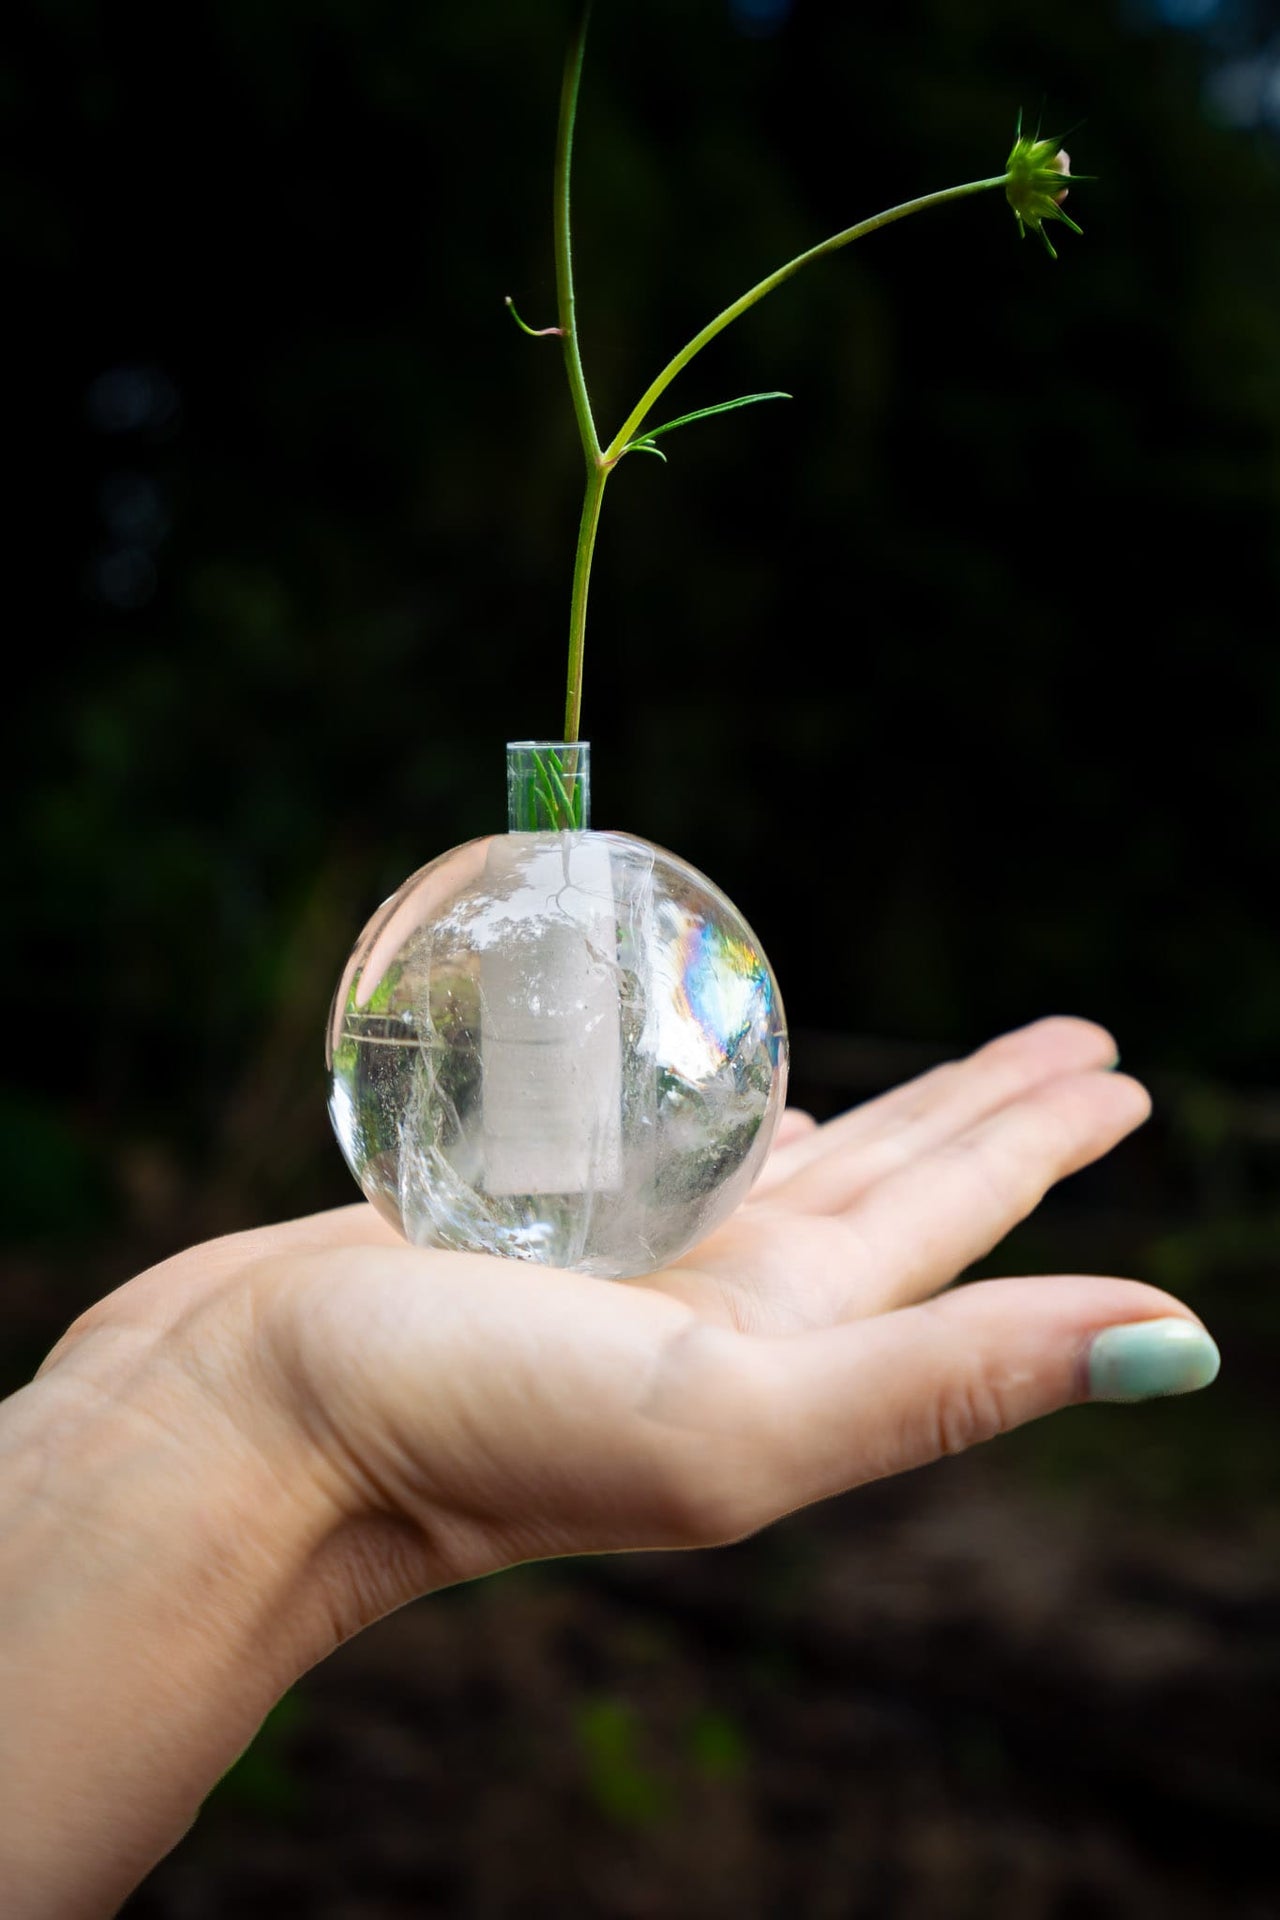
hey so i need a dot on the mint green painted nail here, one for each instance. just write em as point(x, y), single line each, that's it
point(1150, 1358)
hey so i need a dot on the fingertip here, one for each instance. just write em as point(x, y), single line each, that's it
point(1150, 1360)
point(794, 1124)
point(1134, 1096)
point(1091, 1034)
point(1069, 1037)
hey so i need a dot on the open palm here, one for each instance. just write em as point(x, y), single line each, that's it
point(460, 1413)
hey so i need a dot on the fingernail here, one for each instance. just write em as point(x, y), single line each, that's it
point(1150, 1358)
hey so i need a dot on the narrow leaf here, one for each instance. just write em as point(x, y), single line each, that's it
point(645, 446)
point(704, 413)
point(562, 811)
point(543, 792)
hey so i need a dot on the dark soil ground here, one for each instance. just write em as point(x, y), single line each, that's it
point(943, 1697)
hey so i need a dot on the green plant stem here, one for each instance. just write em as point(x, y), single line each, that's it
point(597, 474)
point(653, 393)
point(566, 304)
point(601, 462)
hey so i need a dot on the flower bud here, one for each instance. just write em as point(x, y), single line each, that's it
point(1034, 188)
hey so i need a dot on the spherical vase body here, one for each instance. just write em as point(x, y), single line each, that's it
point(561, 1046)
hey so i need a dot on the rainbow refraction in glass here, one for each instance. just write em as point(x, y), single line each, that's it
point(720, 996)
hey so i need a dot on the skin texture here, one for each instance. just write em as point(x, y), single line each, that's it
point(248, 1453)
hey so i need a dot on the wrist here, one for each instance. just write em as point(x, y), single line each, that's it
point(153, 1577)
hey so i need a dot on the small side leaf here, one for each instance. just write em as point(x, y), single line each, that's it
point(704, 413)
point(645, 446)
point(534, 333)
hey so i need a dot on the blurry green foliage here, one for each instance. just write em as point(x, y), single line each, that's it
point(623, 1785)
point(718, 1746)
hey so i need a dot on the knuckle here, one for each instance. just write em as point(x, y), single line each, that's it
point(1015, 1175)
point(968, 1411)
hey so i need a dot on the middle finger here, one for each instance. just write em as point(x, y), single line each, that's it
point(822, 1171)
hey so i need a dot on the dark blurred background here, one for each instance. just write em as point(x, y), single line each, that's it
point(958, 671)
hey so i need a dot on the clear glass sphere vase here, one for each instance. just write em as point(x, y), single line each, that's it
point(558, 1045)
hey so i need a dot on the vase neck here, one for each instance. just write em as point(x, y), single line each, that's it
point(548, 786)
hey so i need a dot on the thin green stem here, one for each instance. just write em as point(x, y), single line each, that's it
point(597, 472)
point(636, 418)
point(597, 475)
point(564, 250)
point(601, 462)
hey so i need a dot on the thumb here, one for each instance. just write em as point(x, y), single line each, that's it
point(875, 1397)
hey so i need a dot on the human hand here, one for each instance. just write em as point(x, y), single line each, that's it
point(490, 1412)
point(407, 1418)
